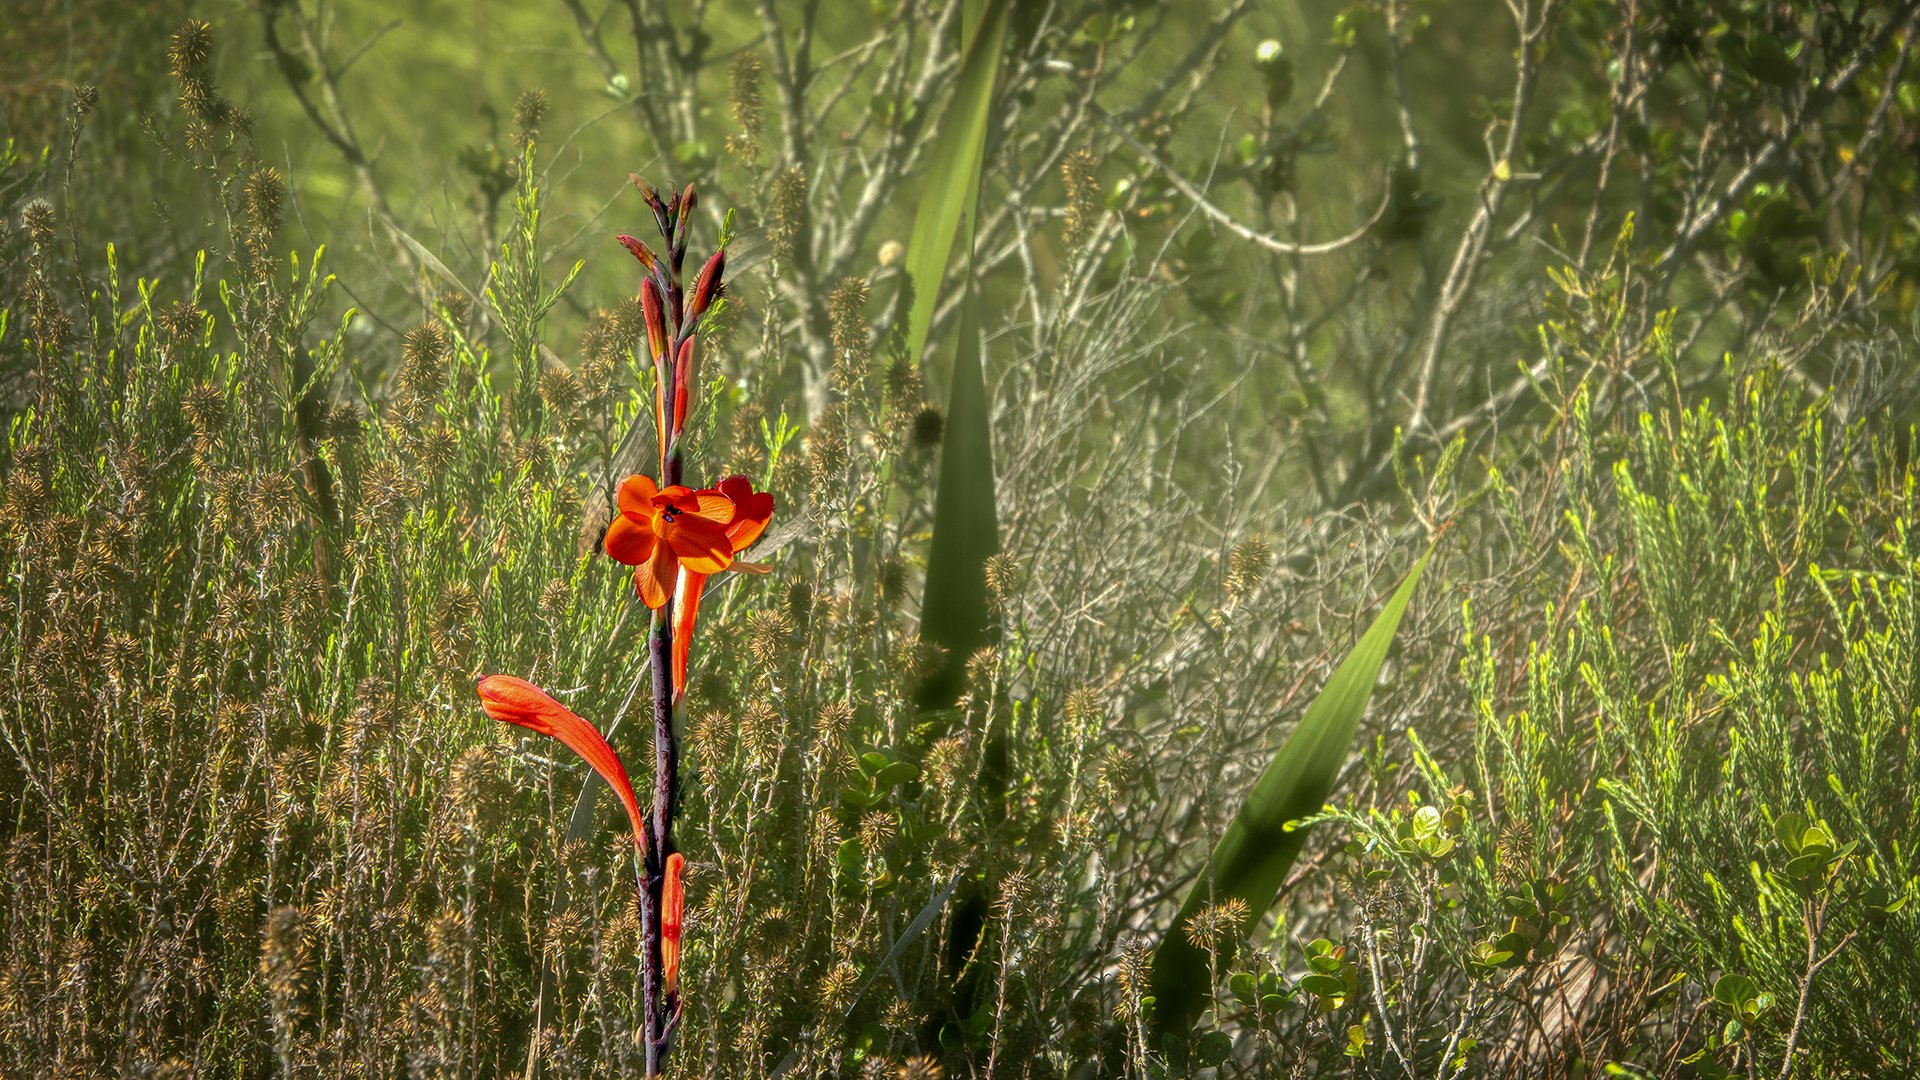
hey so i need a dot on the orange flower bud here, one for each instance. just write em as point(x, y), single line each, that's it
point(673, 904)
point(707, 285)
point(640, 250)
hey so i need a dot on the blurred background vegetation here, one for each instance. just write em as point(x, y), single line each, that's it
point(1616, 301)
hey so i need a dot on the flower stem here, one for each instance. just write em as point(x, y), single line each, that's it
point(659, 1009)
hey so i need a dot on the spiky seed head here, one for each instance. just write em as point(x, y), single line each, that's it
point(189, 48)
point(834, 721)
point(946, 762)
point(824, 834)
point(877, 830)
point(266, 192)
point(787, 211)
point(1080, 175)
point(283, 953)
point(837, 987)
point(922, 1068)
point(800, 604)
point(743, 91)
point(423, 357)
point(847, 320)
point(1247, 566)
point(1003, 579)
point(37, 219)
point(529, 112)
point(929, 426)
point(1011, 899)
point(760, 732)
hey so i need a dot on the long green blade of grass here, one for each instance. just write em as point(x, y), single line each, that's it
point(1252, 859)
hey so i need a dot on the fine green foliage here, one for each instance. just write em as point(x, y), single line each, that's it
point(1250, 863)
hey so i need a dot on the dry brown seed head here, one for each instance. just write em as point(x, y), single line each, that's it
point(555, 598)
point(529, 112)
point(37, 219)
point(1011, 899)
point(946, 762)
point(904, 388)
point(1082, 181)
point(266, 192)
point(743, 92)
point(877, 830)
point(1003, 578)
point(847, 319)
point(834, 721)
point(922, 1068)
point(760, 731)
point(769, 635)
point(799, 606)
point(983, 667)
point(787, 211)
point(824, 835)
point(837, 987)
point(1247, 566)
point(423, 358)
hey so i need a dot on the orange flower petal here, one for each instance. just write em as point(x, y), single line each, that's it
point(752, 510)
point(677, 497)
point(636, 495)
point(686, 611)
point(653, 579)
point(700, 543)
point(714, 506)
point(517, 701)
point(673, 906)
point(630, 540)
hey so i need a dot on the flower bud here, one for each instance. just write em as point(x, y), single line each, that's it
point(683, 380)
point(640, 250)
point(707, 285)
point(651, 309)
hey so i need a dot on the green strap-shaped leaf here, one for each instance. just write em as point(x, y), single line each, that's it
point(966, 532)
point(953, 176)
point(966, 528)
point(1252, 859)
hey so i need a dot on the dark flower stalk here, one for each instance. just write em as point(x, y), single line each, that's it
point(674, 537)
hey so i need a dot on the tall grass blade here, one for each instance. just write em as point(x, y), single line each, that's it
point(1252, 859)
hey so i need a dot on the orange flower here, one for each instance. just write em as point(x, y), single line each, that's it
point(517, 701)
point(662, 533)
point(752, 510)
point(673, 903)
